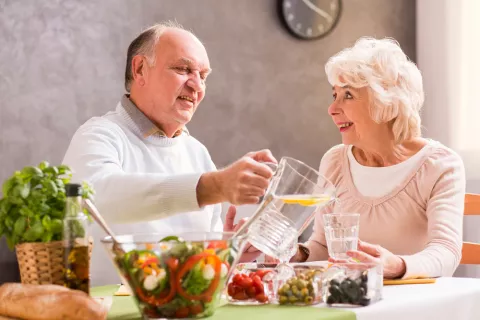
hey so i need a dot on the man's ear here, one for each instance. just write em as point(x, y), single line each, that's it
point(139, 70)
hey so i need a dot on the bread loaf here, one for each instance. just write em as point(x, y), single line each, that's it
point(47, 302)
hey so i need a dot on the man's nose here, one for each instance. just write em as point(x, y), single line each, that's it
point(196, 83)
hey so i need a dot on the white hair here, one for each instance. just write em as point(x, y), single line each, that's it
point(145, 44)
point(394, 82)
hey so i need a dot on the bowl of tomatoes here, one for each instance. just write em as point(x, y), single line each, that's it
point(250, 284)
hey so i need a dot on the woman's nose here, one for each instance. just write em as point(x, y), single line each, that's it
point(333, 109)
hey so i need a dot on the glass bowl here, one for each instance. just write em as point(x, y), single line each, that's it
point(179, 276)
point(352, 284)
point(249, 284)
point(303, 289)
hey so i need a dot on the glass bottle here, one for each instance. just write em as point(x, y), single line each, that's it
point(76, 242)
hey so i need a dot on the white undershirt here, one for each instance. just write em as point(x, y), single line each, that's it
point(379, 181)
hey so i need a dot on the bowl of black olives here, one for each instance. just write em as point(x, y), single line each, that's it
point(352, 284)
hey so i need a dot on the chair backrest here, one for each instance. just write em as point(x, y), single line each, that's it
point(471, 251)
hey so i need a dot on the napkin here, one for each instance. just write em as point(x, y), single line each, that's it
point(387, 282)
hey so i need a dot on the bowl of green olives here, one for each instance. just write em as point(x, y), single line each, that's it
point(303, 289)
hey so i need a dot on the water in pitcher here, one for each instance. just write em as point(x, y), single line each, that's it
point(282, 220)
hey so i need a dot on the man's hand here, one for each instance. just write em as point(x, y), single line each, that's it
point(393, 265)
point(243, 182)
point(250, 253)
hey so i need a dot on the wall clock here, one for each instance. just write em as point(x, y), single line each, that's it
point(309, 19)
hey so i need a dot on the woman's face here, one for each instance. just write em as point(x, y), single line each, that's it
point(350, 111)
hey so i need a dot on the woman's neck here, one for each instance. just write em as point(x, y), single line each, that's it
point(387, 153)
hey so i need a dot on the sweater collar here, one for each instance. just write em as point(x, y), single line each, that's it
point(144, 125)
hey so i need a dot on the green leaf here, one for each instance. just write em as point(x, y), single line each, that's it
point(51, 171)
point(35, 232)
point(31, 172)
point(56, 225)
point(43, 165)
point(20, 226)
point(51, 187)
point(9, 223)
point(47, 222)
point(47, 237)
point(8, 185)
point(57, 213)
point(64, 169)
point(11, 242)
point(25, 211)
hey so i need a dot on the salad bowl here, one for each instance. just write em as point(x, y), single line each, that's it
point(179, 276)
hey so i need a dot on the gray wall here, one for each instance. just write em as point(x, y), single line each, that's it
point(62, 62)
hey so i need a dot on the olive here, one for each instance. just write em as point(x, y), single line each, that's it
point(293, 299)
point(302, 277)
point(350, 290)
point(364, 301)
point(308, 299)
point(335, 291)
point(304, 292)
point(295, 290)
point(301, 284)
point(364, 286)
point(334, 282)
point(332, 299)
point(283, 299)
point(285, 287)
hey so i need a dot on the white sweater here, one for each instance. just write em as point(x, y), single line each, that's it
point(143, 183)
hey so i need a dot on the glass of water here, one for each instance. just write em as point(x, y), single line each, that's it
point(341, 233)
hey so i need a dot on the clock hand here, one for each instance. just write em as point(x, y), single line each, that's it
point(309, 4)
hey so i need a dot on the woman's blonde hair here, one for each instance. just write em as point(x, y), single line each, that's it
point(394, 82)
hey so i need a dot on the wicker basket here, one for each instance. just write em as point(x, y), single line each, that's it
point(42, 263)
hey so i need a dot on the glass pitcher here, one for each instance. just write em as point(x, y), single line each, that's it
point(295, 193)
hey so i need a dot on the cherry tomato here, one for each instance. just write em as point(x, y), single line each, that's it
point(245, 282)
point(251, 292)
point(261, 297)
point(233, 288)
point(196, 309)
point(262, 273)
point(182, 312)
point(258, 284)
point(237, 277)
point(240, 295)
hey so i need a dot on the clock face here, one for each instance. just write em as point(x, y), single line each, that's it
point(309, 19)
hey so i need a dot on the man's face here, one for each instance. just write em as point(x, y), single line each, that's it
point(175, 86)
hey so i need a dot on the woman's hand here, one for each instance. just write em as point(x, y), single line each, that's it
point(393, 265)
point(250, 253)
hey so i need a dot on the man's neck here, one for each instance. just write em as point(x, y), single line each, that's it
point(147, 108)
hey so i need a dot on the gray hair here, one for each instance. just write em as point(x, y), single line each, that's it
point(145, 44)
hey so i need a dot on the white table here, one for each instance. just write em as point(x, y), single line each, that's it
point(447, 299)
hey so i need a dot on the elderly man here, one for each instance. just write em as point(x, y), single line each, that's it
point(149, 173)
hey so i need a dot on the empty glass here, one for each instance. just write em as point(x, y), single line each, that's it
point(341, 233)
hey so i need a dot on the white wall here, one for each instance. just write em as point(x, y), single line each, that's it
point(448, 54)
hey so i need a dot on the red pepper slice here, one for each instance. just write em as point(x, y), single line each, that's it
point(188, 265)
point(163, 297)
point(149, 261)
point(217, 244)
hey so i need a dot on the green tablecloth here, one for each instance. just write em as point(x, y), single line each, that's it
point(124, 308)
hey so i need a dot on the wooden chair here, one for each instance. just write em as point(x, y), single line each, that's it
point(471, 251)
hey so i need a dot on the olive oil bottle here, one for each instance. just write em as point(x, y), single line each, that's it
point(75, 239)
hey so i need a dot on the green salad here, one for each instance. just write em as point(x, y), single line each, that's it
point(178, 279)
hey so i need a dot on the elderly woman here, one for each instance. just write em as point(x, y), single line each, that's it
point(408, 190)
